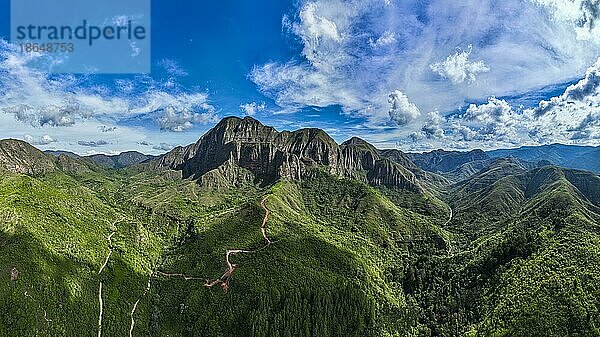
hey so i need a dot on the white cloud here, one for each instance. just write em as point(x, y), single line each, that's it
point(433, 127)
point(458, 69)
point(319, 34)
point(584, 94)
point(252, 108)
point(401, 111)
point(163, 147)
point(581, 14)
point(355, 52)
point(35, 97)
point(387, 38)
point(574, 115)
point(495, 110)
point(570, 118)
point(178, 120)
point(92, 143)
point(43, 140)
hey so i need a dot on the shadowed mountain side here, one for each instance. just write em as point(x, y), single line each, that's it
point(269, 155)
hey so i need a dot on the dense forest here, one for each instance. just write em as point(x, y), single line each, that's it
point(85, 250)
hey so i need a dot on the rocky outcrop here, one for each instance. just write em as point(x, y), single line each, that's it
point(270, 155)
point(19, 157)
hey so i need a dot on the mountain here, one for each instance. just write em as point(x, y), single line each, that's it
point(20, 157)
point(119, 161)
point(571, 156)
point(256, 232)
point(446, 161)
point(122, 160)
point(240, 150)
point(57, 153)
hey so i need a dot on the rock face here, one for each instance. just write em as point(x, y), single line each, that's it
point(236, 147)
point(20, 157)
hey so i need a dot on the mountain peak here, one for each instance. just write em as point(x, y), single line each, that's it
point(234, 120)
point(355, 141)
point(237, 147)
point(19, 157)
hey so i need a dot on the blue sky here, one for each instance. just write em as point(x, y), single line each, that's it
point(416, 75)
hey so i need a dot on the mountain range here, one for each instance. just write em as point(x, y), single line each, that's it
point(255, 232)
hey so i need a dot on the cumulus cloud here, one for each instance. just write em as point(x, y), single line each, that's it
point(581, 14)
point(570, 118)
point(92, 143)
point(39, 98)
point(387, 38)
point(402, 111)
point(52, 115)
point(458, 69)
point(495, 110)
point(355, 52)
point(163, 147)
point(178, 120)
point(252, 108)
point(583, 95)
point(433, 128)
point(43, 140)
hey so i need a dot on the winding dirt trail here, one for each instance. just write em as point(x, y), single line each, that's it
point(39, 307)
point(101, 307)
point(226, 277)
point(109, 239)
point(450, 218)
point(183, 276)
point(100, 302)
point(136, 304)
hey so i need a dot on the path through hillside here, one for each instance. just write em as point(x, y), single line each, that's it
point(450, 253)
point(136, 304)
point(226, 277)
point(100, 302)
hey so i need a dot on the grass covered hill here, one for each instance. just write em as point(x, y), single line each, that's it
point(300, 236)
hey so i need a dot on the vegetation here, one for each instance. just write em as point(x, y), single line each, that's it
point(520, 256)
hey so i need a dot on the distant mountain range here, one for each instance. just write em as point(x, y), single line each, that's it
point(121, 160)
point(255, 232)
point(571, 156)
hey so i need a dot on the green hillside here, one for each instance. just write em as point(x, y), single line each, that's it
point(508, 252)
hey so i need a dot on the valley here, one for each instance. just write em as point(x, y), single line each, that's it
point(303, 237)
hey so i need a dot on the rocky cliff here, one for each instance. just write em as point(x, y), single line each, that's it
point(19, 157)
point(237, 146)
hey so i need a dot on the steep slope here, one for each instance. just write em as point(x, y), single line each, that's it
point(500, 190)
point(19, 157)
point(339, 246)
point(53, 241)
point(237, 146)
point(353, 251)
point(528, 270)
